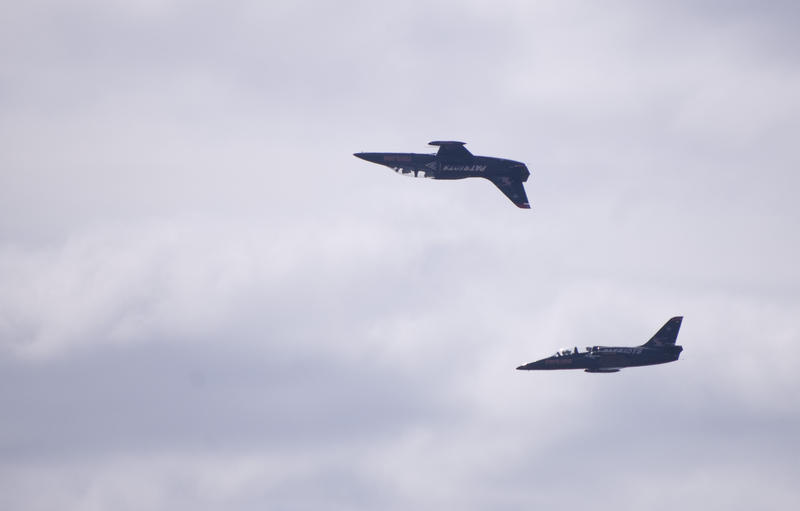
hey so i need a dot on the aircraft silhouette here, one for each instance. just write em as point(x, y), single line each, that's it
point(659, 349)
point(453, 161)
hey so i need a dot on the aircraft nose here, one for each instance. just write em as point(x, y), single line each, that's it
point(532, 366)
point(373, 157)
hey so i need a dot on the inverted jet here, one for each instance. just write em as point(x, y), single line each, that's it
point(660, 349)
point(453, 161)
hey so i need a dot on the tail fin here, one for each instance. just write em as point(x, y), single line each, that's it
point(667, 334)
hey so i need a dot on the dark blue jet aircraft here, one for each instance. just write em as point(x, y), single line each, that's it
point(453, 161)
point(600, 359)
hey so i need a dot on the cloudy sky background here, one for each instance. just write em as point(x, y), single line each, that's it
point(206, 301)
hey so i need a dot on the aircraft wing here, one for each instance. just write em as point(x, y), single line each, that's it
point(513, 189)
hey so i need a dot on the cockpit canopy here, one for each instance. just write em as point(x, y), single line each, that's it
point(565, 351)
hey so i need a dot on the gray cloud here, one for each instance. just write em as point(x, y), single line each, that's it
point(209, 302)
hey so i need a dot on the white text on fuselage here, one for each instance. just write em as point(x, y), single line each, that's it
point(465, 168)
point(626, 351)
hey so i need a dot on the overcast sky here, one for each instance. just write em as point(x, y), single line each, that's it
point(207, 302)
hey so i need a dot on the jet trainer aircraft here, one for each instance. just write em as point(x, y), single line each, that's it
point(453, 161)
point(599, 359)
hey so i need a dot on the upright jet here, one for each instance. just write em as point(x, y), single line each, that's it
point(599, 359)
point(453, 161)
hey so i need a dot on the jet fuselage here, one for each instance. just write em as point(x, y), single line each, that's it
point(429, 165)
point(607, 359)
